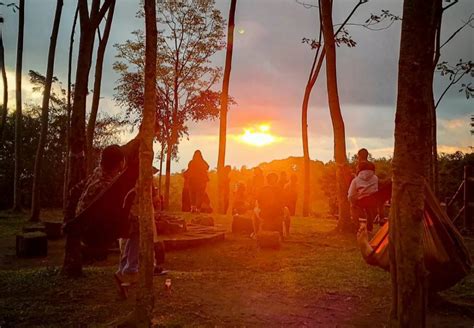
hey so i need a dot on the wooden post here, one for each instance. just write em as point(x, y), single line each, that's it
point(468, 197)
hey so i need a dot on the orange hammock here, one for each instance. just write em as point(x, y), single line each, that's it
point(446, 257)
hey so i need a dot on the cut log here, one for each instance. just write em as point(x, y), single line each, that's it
point(31, 244)
point(203, 220)
point(53, 229)
point(269, 239)
point(36, 227)
point(242, 224)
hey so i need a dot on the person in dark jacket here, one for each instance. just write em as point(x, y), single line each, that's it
point(271, 205)
point(198, 178)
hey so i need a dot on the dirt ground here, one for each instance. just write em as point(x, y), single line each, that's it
point(317, 279)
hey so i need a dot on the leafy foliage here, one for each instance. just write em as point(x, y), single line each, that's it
point(190, 33)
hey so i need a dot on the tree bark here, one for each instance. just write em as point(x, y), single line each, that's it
point(344, 223)
point(169, 152)
point(68, 121)
point(224, 108)
point(72, 265)
point(162, 153)
point(35, 195)
point(145, 296)
point(97, 85)
point(412, 153)
point(18, 113)
point(3, 118)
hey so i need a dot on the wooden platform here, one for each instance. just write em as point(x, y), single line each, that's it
point(196, 235)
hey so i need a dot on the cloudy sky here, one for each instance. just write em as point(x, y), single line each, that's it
point(270, 69)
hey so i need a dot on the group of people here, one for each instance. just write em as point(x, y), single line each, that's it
point(270, 204)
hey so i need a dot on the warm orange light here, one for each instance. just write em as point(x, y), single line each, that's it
point(257, 137)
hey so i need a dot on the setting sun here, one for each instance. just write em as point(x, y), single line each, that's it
point(258, 137)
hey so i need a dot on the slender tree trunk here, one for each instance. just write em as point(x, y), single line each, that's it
point(317, 63)
point(3, 117)
point(411, 163)
point(434, 177)
point(97, 85)
point(35, 195)
point(340, 156)
point(69, 109)
point(162, 153)
point(18, 114)
point(72, 265)
point(169, 152)
point(224, 108)
point(145, 296)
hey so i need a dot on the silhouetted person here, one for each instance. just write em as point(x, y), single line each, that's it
point(226, 187)
point(111, 164)
point(198, 178)
point(241, 204)
point(363, 157)
point(271, 205)
point(291, 194)
point(283, 180)
point(256, 185)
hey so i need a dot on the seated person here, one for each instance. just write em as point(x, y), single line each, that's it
point(362, 195)
point(241, 204)
point(271, 206)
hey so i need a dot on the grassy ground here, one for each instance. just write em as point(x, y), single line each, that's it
point(316, 279)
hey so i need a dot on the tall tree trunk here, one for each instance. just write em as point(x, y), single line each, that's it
point(411, 163)
point(162, 153)
point(69, 109)
point(434, 177)
point(3, 116)
point(344, 223)
point(35, 195)
point(145, 295)
point(72, 265)
point(224, 108)
point(169, 152)
point(97, 85)
point(18, 114)
point(304, 128)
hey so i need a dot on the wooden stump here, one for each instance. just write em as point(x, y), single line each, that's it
point(53, 229)
point(159, 252)
point(203, 220)
point(242, 224)
point(269, 239)
point(31, 244)
point(36, 227)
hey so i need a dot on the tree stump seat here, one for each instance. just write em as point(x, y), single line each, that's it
point(242, 224)
point(203, 220)
point(31, 244)
point(269, 239)
point(53, 229)
point(35, 227)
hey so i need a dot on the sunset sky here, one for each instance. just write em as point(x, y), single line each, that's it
point(269, 72)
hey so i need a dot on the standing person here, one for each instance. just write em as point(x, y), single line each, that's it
point(271, 205)
point(362, 195)
point(291, 194)
point(363, 157)
point(198, 178)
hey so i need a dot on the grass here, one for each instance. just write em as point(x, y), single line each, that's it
point(316, 279)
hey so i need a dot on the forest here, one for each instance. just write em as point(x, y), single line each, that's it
point(168, 163)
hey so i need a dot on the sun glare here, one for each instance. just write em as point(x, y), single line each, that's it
point(258, 137)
